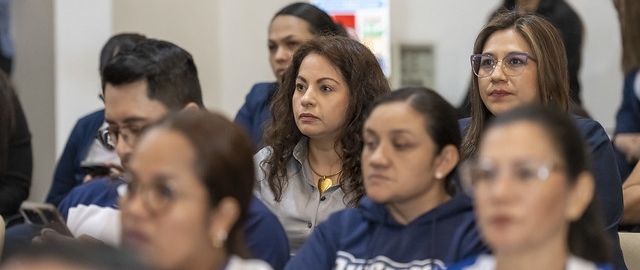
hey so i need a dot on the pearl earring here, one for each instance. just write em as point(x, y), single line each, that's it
point(438, 175)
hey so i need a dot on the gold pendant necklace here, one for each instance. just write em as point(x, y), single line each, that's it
point(325, 181)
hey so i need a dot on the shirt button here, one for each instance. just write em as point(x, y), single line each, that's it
point(323, 198)
point(309, 225)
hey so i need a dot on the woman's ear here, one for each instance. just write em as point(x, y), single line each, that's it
point(191, 106)
point(446, 161)
point(580, 196)
point(223, 217)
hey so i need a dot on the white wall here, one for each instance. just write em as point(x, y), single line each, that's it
point(80, 29)
point(33, 76)
point(56, 72)
point(190, 24)
point(226, 38)
point(601, 75)
point(58, 42)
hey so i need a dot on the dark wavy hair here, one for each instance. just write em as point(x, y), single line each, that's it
point(365, 79)
point(224, 163)
point(320, 23)
point(553, 74)
point(586, 235)
point(440, 119)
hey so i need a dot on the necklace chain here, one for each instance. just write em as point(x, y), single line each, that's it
point(322, 176)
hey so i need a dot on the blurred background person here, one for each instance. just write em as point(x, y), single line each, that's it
point(188, 190)
point(66, 255)
point(533, 193)
point(627, 134)
point(6, 43)
point(289, 28)
point(15, 152)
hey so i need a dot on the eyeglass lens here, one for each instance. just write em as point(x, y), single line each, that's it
point(156, 196)
point(512, 65)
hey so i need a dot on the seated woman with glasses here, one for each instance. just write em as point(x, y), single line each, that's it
point(411, 216)
point(188, 191)
point(519, 59)
point(533, 194)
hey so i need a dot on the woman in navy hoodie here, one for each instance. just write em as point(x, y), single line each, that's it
point(534, 194)
point(411, 215)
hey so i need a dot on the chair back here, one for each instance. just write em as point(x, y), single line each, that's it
point(630, 245)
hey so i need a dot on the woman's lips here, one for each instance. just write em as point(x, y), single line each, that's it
point(134, 238)
point(501, 221)
point(499, 93)
point(376, 177)
point(307, 117)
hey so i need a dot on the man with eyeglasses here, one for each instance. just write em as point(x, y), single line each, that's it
point(82, 147)
point(140, 87)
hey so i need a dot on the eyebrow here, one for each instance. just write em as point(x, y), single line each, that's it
point(327, 79)
point(393, 131)
point(128, 120)
point(286, 38)
point(302, 79)
point(511, 52)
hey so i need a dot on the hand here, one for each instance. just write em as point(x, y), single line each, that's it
point(49, 235)
point(629, 144)
point(116, 169)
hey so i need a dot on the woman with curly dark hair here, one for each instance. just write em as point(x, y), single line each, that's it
point(311, 166)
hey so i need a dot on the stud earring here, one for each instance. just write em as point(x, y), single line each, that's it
point(219, 239)
point(438, 175)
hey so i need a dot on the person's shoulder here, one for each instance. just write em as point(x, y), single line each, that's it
point(94, 190)
point(89, 124)
point(237, 263)
point(262, 154)
point(259, 211)
point(481, 262)
point(464, 123)
point(589, 127)
point(576, 263)
point(347, 218)
point(264, 85)
point(94, 117)
point(263, 89)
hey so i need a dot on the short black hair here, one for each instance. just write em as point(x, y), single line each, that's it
point(116, 44)
point(170, 73)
